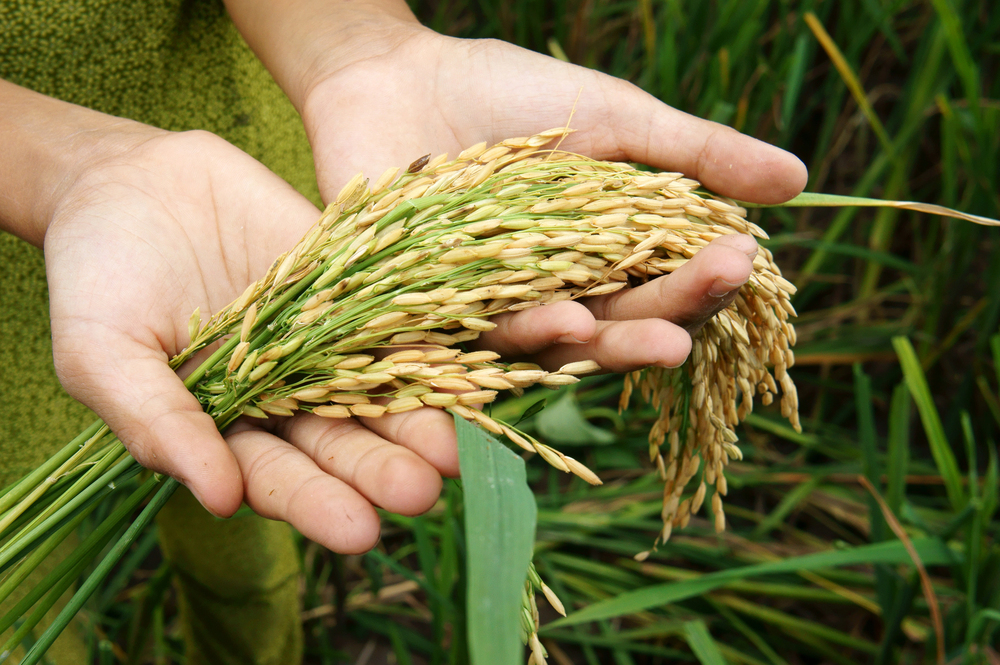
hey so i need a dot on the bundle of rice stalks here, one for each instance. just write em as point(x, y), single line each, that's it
point(366, 315)
point(361, 318)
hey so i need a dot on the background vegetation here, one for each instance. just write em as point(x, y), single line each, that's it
point(898, 374)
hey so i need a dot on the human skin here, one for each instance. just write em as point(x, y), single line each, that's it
point(141, 226)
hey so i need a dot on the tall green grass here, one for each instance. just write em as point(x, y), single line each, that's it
point(897, 369)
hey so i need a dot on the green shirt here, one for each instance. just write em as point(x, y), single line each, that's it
point(175, 64)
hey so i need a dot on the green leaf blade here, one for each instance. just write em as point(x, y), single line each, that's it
point(563, 423)
point(702, 643)
point(500, 515)
point(941, 450)
point(932, 551)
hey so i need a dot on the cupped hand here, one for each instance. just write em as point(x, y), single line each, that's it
point(179, 221)
point(410, 91)
point(406, 91)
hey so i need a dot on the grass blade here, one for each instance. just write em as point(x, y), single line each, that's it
point(850, 80)
point(960, 54)
point(898, 460)
point(563, 423)
point(813, 200)
point(500, 518)
point(940, 448)
point(931, 551)
point(702, 644)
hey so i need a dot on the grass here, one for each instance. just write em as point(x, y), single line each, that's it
point(898, 372)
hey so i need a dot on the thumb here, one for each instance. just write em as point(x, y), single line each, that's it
point(638, 127)
point(132, 388)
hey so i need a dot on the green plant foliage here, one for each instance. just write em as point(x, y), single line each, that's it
point(931, 551)
point(500, 518)
point(563, 423)
point(702, 644)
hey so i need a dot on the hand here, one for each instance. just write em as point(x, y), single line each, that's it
point(409, 91)
point(178, 221)
point(141, 226)
point(377, 90)
point(396, 91)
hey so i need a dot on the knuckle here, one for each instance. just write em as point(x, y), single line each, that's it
point(361, 468)
point(261, 466)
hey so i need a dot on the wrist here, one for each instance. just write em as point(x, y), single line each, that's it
point(304, 42)
point(47, 146)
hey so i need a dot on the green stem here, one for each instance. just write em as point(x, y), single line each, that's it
point(12, 494)
point(102, 570)
point(12, 549)
point(35, 558)
point(95, 471)
point(90, 546)
point(42, 609)
point(39, 480)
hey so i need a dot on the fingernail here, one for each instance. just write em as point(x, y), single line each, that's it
point(721, 287)
point(568, 338)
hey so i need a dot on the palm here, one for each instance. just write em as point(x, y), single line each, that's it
point(156, 244)
point(188, 221)
point(183, 221)
point(429, 93)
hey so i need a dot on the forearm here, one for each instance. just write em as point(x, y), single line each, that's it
point(301, 41)
point(45, 144)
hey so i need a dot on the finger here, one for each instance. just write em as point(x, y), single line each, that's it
point(624, 346)
point(690, 295)
point(160, 422)
point(283, 483)
point(428, 432)
point(638, 127)
point(387, 475)
point(531, 330)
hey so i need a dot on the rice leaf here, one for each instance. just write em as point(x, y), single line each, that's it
point(702, 644)
point(960, 53)
point(755, 638)
point(532, 410)
point(395, 566)
point(500, 518)
point(792, 499)
point(812, 200)
point(563, 423)
point(899, 447)
point(796, 74)
point(940, 448)
point(932, 551)
point(850, 80)
point(797, 626)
